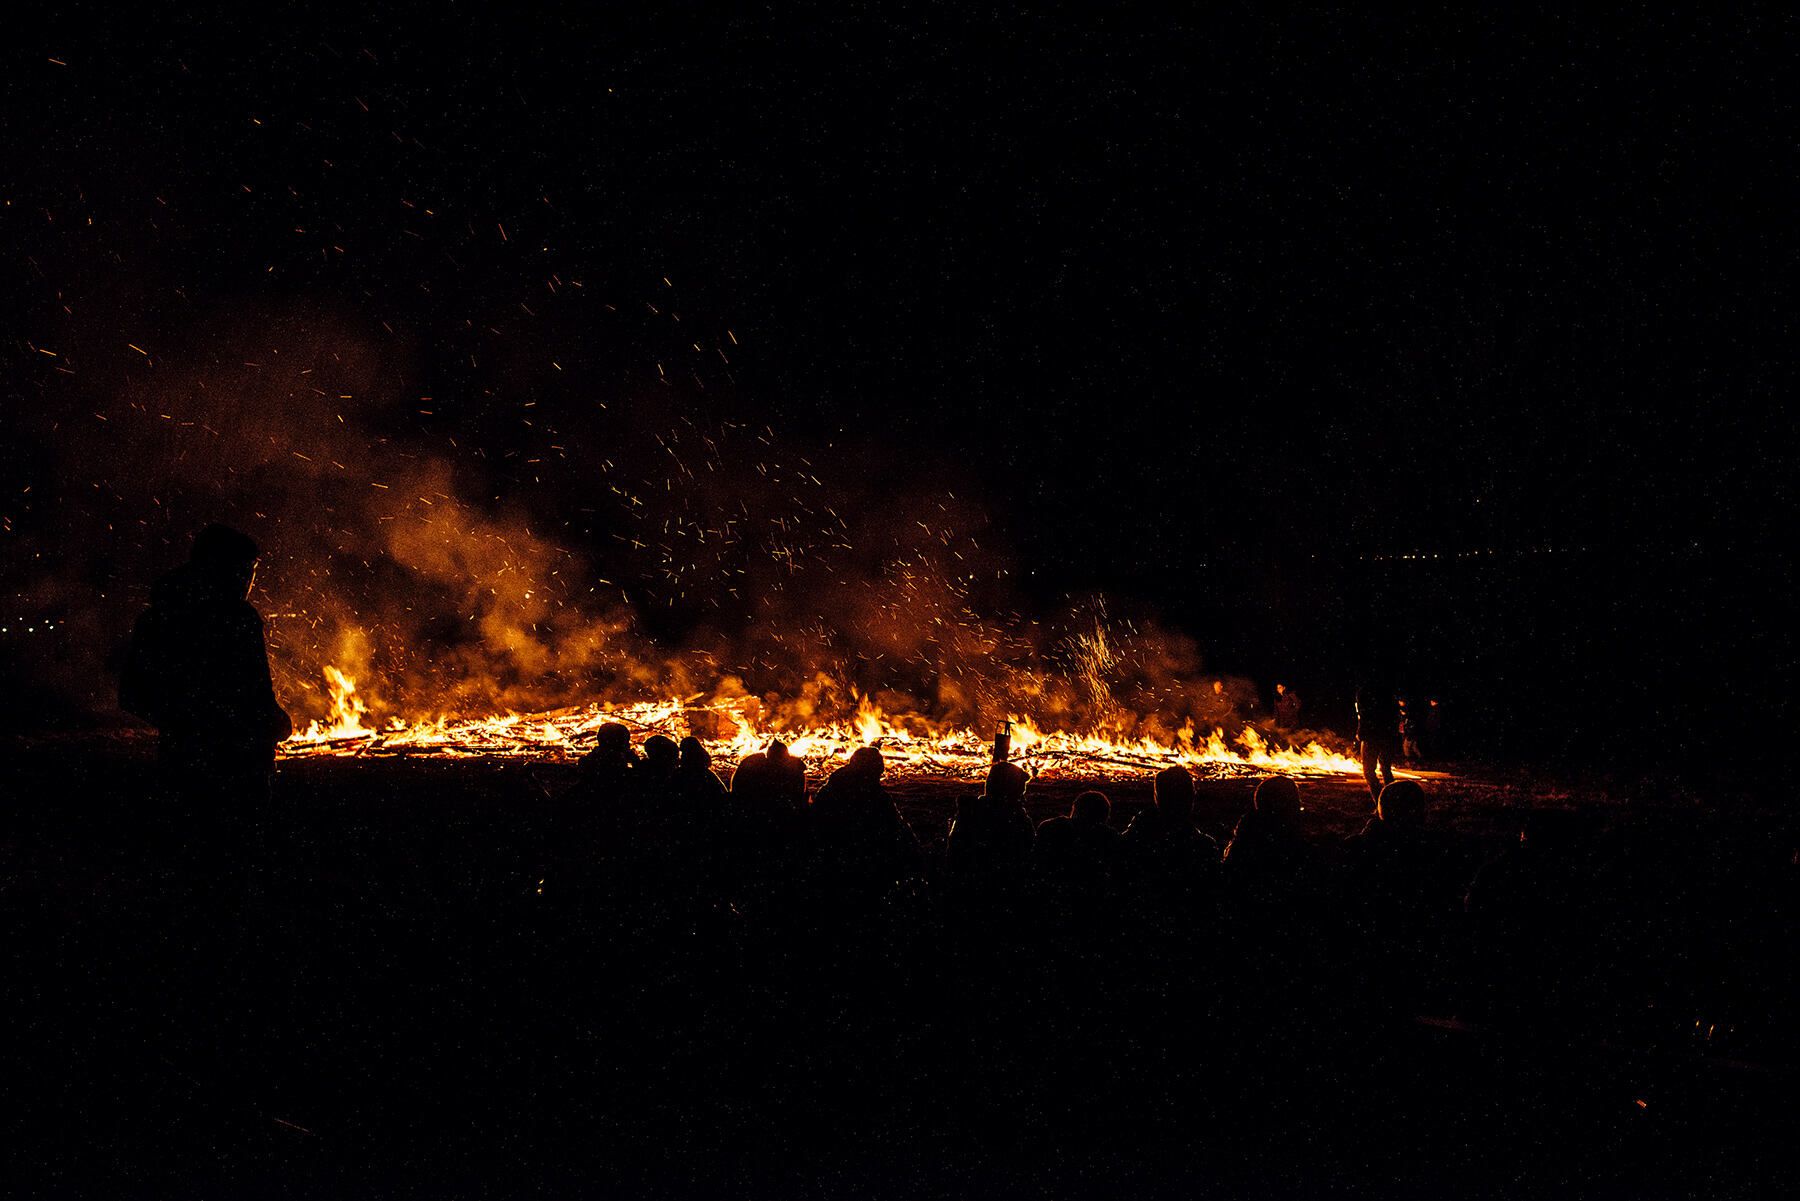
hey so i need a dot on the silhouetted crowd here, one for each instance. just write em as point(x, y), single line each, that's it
point(1563, 931)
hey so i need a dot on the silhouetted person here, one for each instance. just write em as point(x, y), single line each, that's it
point(765, 813)
point(1071, 971)
point(665, 850)
point(1410, 725)
point(1170, 870)
point(768, 797)
point(861, 839)
point(861, 847)
point(769, 785)
point(1074, 867)
point(1077, 853)
point(787, 777)
point(990, 837)
point(644, 811)
point(596, 816)
point(1399, 894)
point(589, 829)
point(694, 814)
point(1166, 850)
point(198, 670)
point(697, 791)
point(610, 769)
point(1431, 735)
point(749, 778)
point(1378, 735)
point(661, 757)
point(1267, 845)
point(1399, 817)
point(1287, 708)
point(653, 782)
point(1275, 907)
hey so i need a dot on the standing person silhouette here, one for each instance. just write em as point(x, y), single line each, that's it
point(1378, 735)
point(198, 670)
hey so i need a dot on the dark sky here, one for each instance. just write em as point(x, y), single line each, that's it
point(1160, 294)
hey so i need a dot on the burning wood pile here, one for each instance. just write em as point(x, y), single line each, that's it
point(911, 746)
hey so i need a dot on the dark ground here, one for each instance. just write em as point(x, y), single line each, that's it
point(419, 1019)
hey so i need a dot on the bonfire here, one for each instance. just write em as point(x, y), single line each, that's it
point(913, 746)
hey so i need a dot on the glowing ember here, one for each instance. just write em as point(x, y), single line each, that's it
point(910, 745)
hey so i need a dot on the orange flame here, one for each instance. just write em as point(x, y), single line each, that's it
point(911, 746)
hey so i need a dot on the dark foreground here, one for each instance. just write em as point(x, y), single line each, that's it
point(412, 1015)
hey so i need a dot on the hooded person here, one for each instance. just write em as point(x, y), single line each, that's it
point(696, 789)
point(198, 670)
point(765, 814)
point(991, 835)
point(768, 789)
point(857, 831)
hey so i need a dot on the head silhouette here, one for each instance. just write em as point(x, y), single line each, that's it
point(751, 773)
point(1006, 782)
point(661, 754)
point(1402, 805)
point(612, 739)
point(1174, 792)
point(866, 764)
point(694, 755)
point(786, 771)
point(1278, 799)
point(227, 556)
point(1091, 807)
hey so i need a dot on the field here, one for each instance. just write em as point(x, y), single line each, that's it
point(420, 1015)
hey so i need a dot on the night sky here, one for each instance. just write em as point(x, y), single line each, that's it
point(1215, 318)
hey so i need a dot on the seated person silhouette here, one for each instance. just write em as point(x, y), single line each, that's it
point(990, 838)
point(769, 785)
point(765, 813)
point(1274, 883)
point(1175, 866)
point(1267, 845)
point(661, 757)
point(1078, 852)
point(695, 789)
point(1166, 830)
point(610, 769)
point(859, 834)
point(1399, 893)
point(693, 813)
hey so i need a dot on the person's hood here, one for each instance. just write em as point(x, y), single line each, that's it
point(189, 586)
